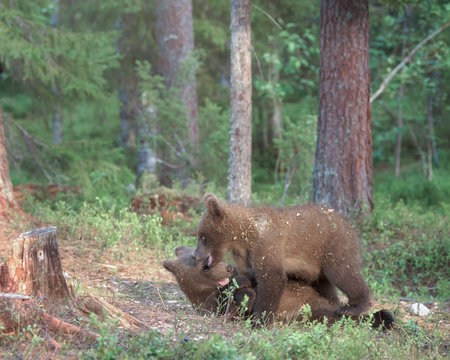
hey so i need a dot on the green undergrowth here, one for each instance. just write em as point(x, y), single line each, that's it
point(106, 227)
point(306, 340)
point(407, 249)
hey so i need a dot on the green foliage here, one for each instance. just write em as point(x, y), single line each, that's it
point(297, 148)
point(412, 187)
point(292, 67)
point(46, 58)
point(407, 249)
point(165, 112)
point(106, 227)
point(214, 127)
point(94, 170)
point(423, 81)
point(343, 340)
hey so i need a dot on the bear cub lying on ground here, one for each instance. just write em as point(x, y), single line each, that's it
point(206, 287)
point(309, 243)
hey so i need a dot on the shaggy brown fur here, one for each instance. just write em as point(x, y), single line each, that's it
point(309, 243)
point(200, 280)
point(205, 286)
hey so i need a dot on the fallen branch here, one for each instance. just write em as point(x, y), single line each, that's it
point(408, 58)
point(126, 320)
point(16, 314)
point(14, 296)
point(59, 326)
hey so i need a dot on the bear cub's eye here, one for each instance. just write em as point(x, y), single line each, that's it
point(202, 238)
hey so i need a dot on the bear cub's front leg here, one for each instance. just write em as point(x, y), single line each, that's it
point(270, 287)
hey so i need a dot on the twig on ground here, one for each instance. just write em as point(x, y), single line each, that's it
point(160, 297)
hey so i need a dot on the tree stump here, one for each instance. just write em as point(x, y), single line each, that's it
point(35, 268)
point(32, 286)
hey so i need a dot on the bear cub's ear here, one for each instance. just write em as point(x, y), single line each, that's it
point(181, 250)
point(169, 264)
point(213, 206)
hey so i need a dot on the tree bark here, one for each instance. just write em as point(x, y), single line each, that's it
point(398, 146)
point(57, 115)
point(430, 135)
point(7, 201)
point(35, 268)
point(129, 110)
point(129, 95)
point(176, 42)
point(343, 173)
point(240, 159)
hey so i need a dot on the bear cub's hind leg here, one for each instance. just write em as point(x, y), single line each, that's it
point(353, 285)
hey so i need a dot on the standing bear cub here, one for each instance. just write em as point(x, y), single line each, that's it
point(309, 243)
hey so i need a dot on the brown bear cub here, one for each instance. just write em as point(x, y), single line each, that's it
point(205, 287)
point(310, 243)
point(201, 285)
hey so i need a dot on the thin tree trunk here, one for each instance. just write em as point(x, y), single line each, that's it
point(240, 158)
point(7, 201)
point(128, 114)
point(57, 126)
point(398, 146)
point(436, 110)
point(430, 134)
point(57, 115)
point(343, 174)
point(419, 150)
point(129, 95)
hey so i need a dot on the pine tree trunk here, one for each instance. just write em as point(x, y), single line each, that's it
point(7, 201)
point(35, 268)
point(129, 95)
point(240, 160)
point(128, 113)
point(343, 175)
point(398, 145)
point(430, 133)
point(57, 126)
point(175, 43)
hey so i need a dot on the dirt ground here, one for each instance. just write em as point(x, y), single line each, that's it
point(135, 282)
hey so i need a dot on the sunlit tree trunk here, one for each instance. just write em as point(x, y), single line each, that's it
point(343, 175)
point(6, 190)
point(240, 160)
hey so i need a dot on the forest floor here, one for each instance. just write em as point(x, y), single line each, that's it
point(135, 281)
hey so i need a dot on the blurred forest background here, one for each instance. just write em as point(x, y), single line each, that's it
point(82, 95)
